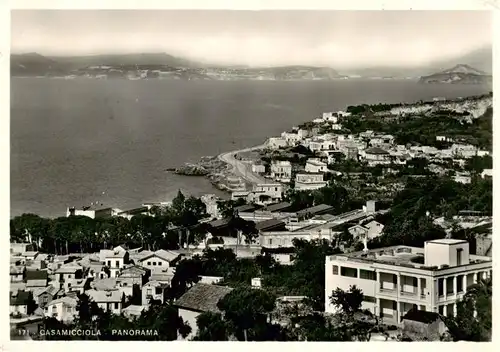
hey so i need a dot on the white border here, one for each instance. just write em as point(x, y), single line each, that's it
point(6, 345)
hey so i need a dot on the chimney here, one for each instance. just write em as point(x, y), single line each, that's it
point(365, 244)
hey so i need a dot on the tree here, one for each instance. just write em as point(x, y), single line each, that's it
point(211, 327)
point(473, 321)
point(247, 311)
point(350, 301)
point(165, 320)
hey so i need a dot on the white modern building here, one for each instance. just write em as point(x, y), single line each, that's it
point(315, 166)
point(309, 181)
point(397, 279)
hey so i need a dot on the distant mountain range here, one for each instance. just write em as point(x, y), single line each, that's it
point(481, 59)
point(150, 66)
point(165, 66)
point(459, 74)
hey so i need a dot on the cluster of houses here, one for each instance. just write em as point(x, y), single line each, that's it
point(119, 280)
point(368, 147)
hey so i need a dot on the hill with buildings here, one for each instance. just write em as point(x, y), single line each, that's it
point(459, 74)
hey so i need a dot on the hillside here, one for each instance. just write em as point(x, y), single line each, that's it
point(459, 74)
point(151, 66)
point(480, 59)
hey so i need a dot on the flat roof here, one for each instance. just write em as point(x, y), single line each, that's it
point(278, 206)
point(396, 255)
point(316, 209)
point(447, 241)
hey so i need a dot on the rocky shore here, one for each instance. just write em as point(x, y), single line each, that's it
point(210, 167)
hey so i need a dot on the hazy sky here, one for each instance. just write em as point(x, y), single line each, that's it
point(330, 38)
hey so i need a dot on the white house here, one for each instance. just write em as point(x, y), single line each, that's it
point(291, 138)
point(160, 259)
point(20, 301)
point(281, 170)
point(272, 191)
point(309, 181)
point(375, 156)
point(63, 309)
point(369, 231)
point(154, 290)
point(76, 285)
point(107, 300)
point(199, 299)
point(276, 143)
point(397, 279)
point(115, 260)
point(68, 271)
point(314, 165)
point(330, 116)
point(258, 168)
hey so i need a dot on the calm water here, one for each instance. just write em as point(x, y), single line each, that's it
point(72, 140)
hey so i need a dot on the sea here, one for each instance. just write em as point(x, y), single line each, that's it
point(81, 141)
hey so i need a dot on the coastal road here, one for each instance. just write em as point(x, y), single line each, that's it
point(243, 169)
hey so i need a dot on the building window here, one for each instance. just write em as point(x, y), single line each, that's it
point(367, 275)
point(349, 272)
point(460, 283)
point(270, 241)
point(441, 310)
point(69, 276)
point(116, 305)
point(149, 292)
point(54, 309)
point(109, 263)
point(149, 263)
point(68, 309)
point(154, 263)
point(440, 287)
point(369, 299)
point(159, 263)
point(459, 256)
point(335, 270)
point(158, 290)
point(117, 263)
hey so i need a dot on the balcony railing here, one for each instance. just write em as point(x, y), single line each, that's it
point(391, 291)
point(408, 293)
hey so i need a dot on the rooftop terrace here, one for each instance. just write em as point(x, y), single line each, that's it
point(406, 256)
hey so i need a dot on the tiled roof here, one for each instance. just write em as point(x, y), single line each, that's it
point(278, 207)
point(220, 222)
point(69, 268)
point(316, 209)
point(36, 275)
point(36, 283)
point(269, 224)
point(246, 207)
point(30, 253)
point(77, 282)
point(65, 300)
point(203, 297)
point(108, 284)
point(163, 254)
point(376, 150)
point(104, 296)
point(20, 298)
point(134, 309)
